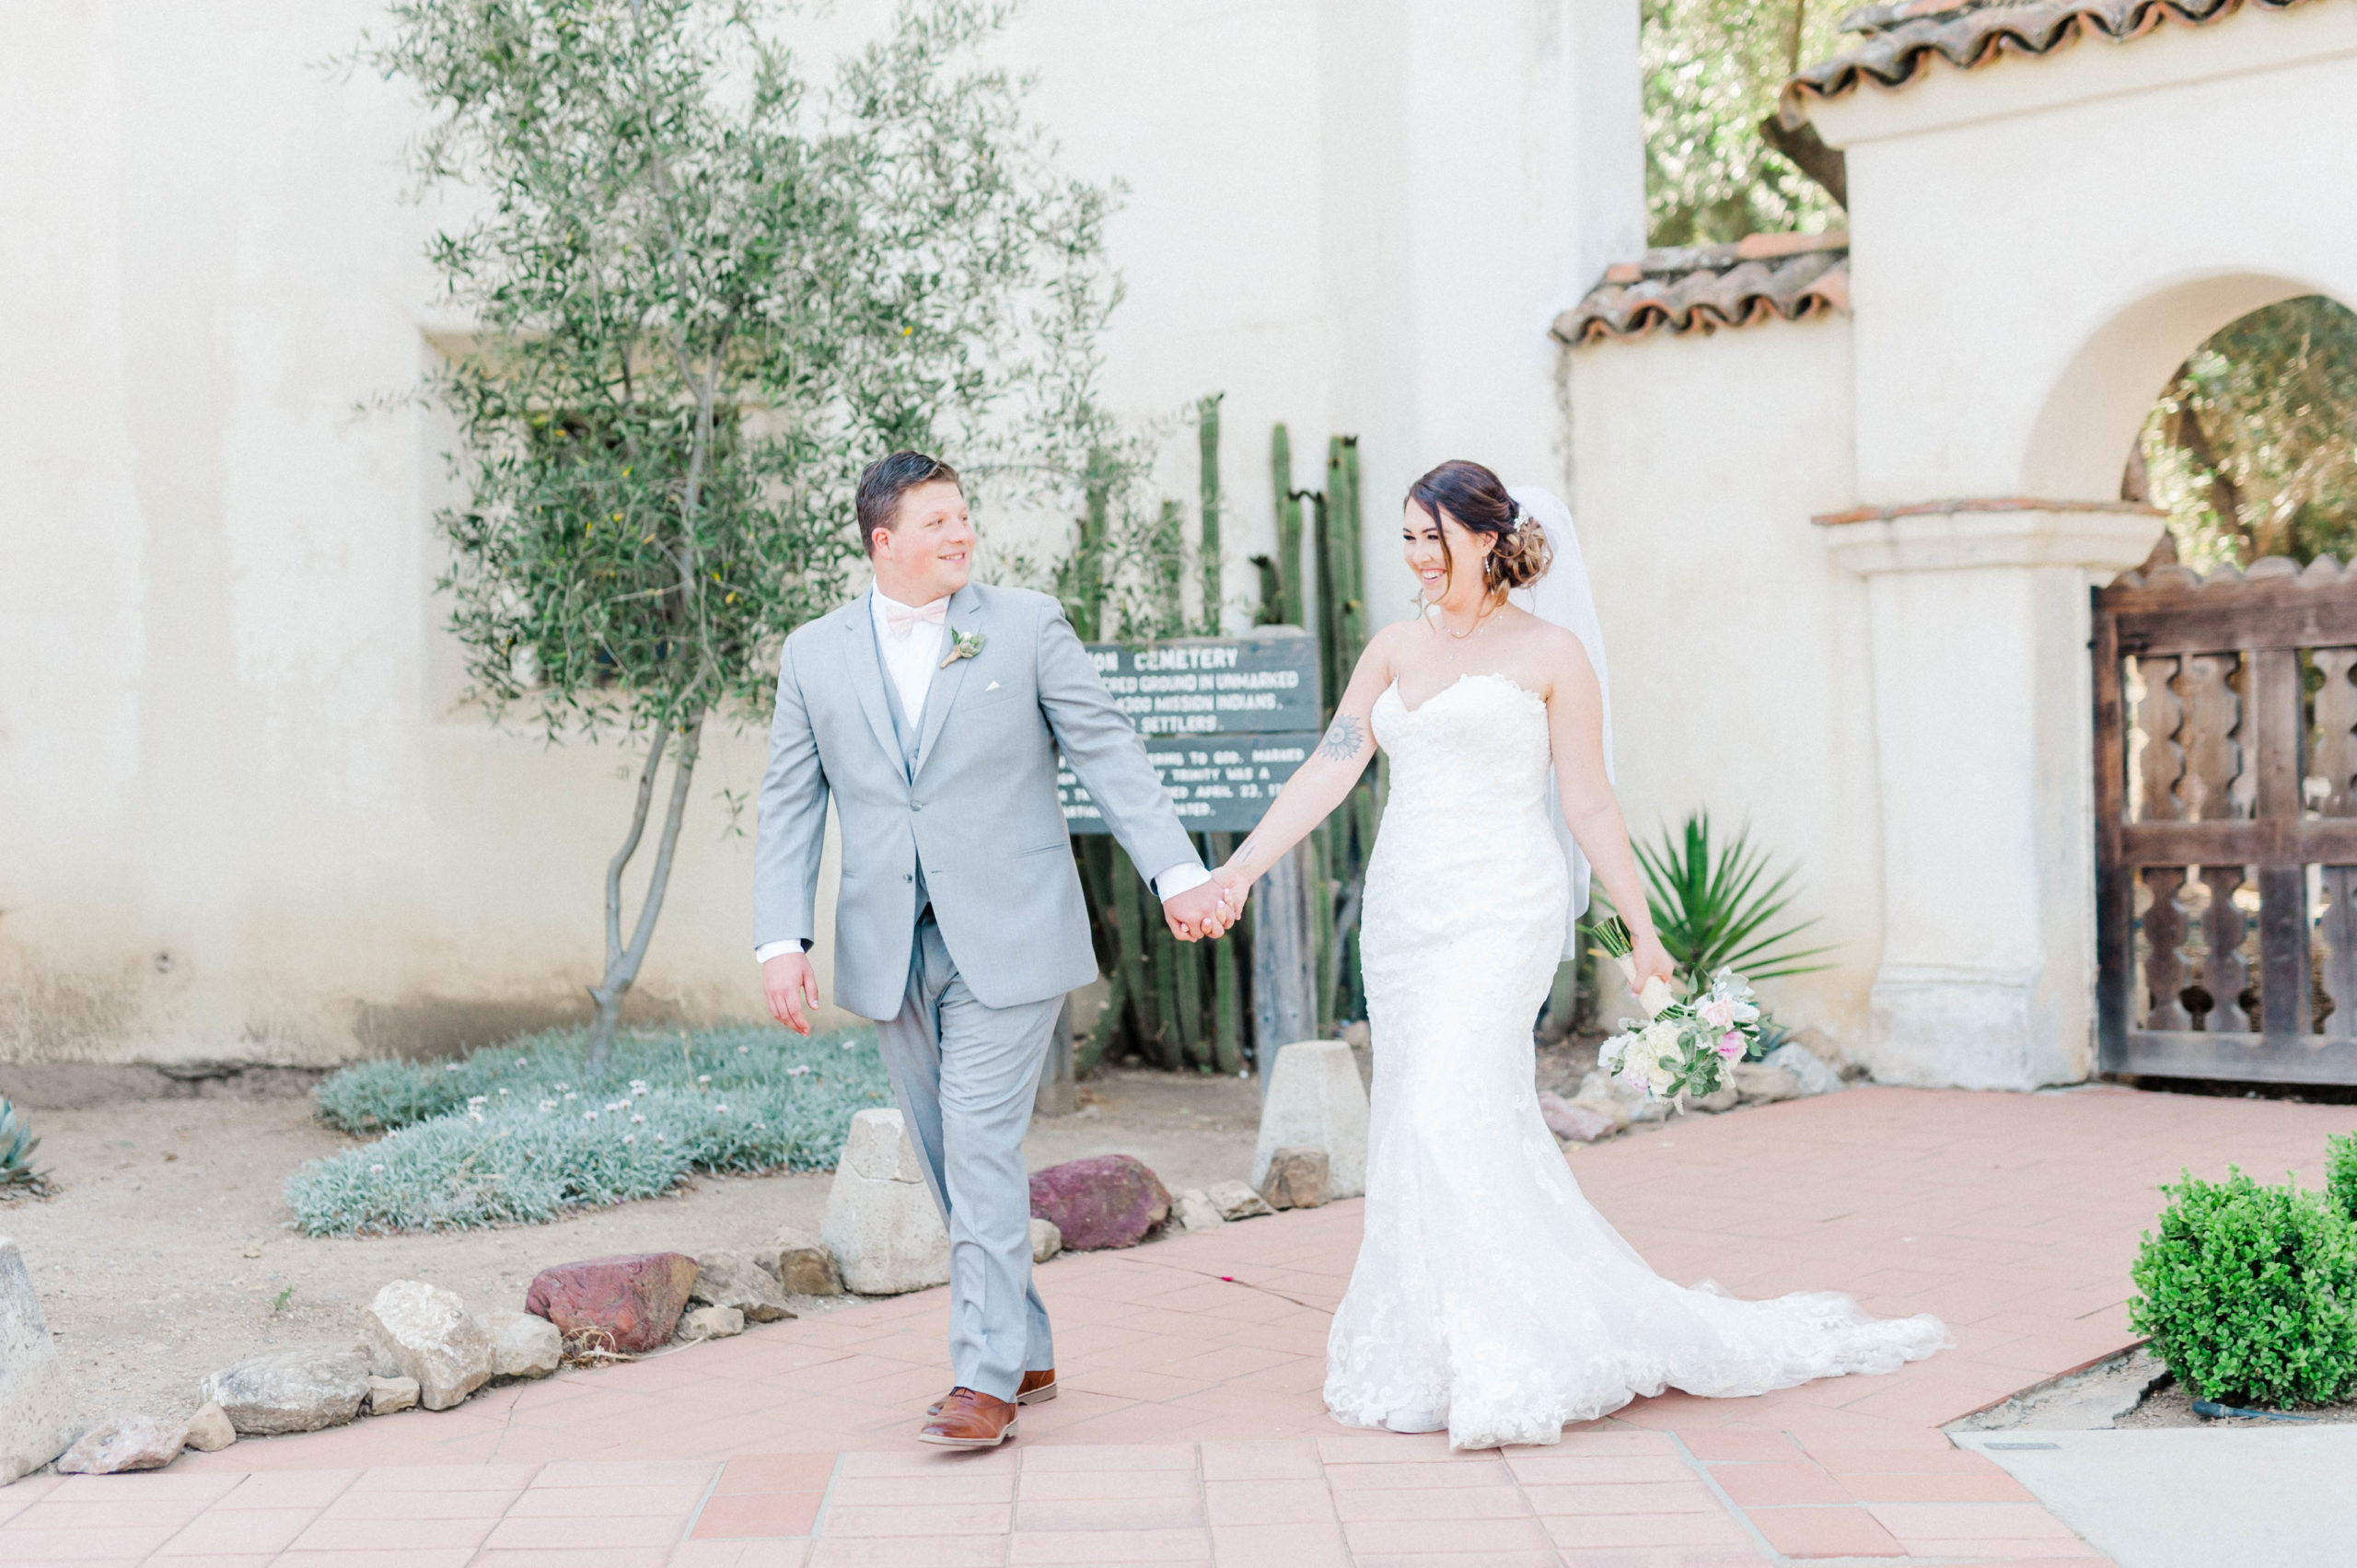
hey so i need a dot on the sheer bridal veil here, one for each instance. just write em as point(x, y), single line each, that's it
point(1564, 597)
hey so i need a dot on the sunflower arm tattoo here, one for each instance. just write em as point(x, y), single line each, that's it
point(1344, 738)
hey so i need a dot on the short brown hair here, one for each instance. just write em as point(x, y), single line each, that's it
point(885, 481)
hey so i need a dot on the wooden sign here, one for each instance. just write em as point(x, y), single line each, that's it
point(1227, 722)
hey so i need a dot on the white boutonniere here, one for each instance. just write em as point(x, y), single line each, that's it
point(962, 645)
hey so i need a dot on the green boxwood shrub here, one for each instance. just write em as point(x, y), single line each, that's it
point(2340, 1172)
point(523, 1131)
point(2249, 1292)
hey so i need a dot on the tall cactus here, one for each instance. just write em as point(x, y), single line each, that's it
point(1291, 601)
point(1214, 589)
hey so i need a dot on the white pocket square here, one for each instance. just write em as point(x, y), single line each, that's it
point(991, 687)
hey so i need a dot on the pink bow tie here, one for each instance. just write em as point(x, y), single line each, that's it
point(903, 619)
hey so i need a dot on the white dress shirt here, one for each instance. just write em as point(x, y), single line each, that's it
point(910, 662)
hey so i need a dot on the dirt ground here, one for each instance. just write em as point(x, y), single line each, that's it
point(167, 1252)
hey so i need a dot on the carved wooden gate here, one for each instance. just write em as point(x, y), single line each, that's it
point(2226, 822)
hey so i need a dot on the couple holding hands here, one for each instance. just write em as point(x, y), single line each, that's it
point(1489, 1298)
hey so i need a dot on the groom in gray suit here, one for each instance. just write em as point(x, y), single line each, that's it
point(933, 709)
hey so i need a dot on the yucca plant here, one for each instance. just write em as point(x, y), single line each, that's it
point(16, 1146)
point(1722, 909)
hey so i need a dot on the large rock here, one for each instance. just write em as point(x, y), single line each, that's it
point(1760, 1084)
point(1810, 1073)
point(1316, 1100)
point(630, 1303)
point(1106, 1201)
point(125, 1443)
point(1296, 1179)
point(427, 1334)
point(36, 1415)
point(881, 1222)
point(1046, 1240)
point(734, 1279)
point(1236, 1200)
point(293, 1390)
point(1581, 1121)
point(802, 1264)
point(209, 1431)
point(521, 1344)
point(1193, 1209)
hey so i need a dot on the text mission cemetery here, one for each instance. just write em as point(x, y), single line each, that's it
point(1226, 721)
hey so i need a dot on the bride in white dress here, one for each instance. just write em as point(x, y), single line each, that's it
point(1489, 1297)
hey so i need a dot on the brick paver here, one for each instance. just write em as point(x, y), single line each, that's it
point(1189, 1429)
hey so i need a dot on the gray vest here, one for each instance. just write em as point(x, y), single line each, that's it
point(909, 734)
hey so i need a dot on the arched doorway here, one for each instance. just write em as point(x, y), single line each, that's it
point(2226, 712)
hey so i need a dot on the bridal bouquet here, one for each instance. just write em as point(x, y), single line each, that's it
point(1684, 1045)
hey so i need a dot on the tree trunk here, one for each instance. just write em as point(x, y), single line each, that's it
point(622, 962)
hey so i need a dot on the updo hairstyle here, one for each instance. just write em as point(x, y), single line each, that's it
point(1477, 499)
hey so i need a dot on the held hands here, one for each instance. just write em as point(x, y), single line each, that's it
point(792, 989)
point(1201, 911)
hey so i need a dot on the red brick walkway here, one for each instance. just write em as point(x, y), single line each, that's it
point(1190, 1430)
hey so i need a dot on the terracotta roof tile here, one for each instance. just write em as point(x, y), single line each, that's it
point(1709, 287)
point(1902, 38)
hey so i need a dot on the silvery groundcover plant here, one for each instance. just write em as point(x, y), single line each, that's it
point(526, 1130)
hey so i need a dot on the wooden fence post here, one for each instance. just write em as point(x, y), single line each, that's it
point(1284, 991)
point(1058, 1095)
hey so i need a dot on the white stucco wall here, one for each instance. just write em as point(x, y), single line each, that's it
point(240, 815)
point(2127, 200)
point(1738, 646)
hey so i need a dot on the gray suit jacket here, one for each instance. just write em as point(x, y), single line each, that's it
point(981, 808)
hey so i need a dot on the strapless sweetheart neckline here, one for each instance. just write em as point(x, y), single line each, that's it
point(1401, 697)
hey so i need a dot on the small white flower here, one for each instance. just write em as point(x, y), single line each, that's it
point(630, 1137)
point(502, 1092)
point(449, 1067)
point(376, 1170)
point(560, 1086)
point(475, 1116)
point(568, 1097)
point(478, 1099)
point(703, 1077)
point(661, 1139)
point(797, 1072)
point(723, 1110)
point(523, 1061)
point(548, 1105)
point(638, 1119)
point(743, 1051)
point(589, 1116)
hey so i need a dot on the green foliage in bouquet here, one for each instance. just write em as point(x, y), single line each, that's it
point(1723, 909)
point(2249, 1292)
point(17, 1171)
point(2340, 1173)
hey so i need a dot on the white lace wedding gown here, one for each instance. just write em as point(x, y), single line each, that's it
point(1487, 1293)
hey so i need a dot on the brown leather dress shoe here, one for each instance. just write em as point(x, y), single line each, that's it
point(1037, 1388)
point(968, 1420)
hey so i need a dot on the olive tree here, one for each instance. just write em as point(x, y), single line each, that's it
point(699, 294)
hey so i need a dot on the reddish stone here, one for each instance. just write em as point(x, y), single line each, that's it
point(1111, 1201)
point(632, 1301)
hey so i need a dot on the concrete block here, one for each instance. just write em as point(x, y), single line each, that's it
point(1316, 1100)
point(36, 1407)
point(881, 1222)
